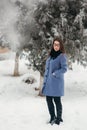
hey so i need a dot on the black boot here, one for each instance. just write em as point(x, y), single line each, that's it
point(61, 120)
point(57, 121)
point(52, 120)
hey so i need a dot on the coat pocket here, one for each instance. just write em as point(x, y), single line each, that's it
point(58, 76)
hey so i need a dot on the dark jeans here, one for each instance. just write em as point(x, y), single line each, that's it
point(51, 107)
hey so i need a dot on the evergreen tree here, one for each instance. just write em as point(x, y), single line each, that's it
point(63, 18)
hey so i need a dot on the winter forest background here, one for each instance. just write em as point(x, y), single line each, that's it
point(27, 28)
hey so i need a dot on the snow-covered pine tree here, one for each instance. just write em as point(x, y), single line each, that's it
point(63, 18)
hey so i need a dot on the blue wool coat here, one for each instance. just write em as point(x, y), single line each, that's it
point(53, 84)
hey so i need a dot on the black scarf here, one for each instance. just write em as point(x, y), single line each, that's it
point(54, 53)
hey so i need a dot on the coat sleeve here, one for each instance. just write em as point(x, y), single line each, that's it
point(63, 63)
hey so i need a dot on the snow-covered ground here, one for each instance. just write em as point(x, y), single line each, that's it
point(22, 109)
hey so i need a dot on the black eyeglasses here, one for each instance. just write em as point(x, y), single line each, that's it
point(56, 45)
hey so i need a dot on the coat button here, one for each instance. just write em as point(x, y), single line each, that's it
point(44, 83)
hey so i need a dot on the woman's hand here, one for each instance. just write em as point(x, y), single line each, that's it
point(53, 73)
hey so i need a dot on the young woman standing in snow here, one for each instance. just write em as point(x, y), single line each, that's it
point(53, 85)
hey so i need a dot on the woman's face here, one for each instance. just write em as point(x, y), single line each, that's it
point(56, 46)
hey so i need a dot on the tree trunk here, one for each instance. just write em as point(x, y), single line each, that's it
point(16, 68)
point(40, 88)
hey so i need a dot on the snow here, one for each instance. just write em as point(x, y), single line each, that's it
point(22, 109)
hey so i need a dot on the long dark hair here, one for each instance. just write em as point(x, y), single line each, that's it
point(62, 49)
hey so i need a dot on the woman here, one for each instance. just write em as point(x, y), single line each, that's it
point(53, 85)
